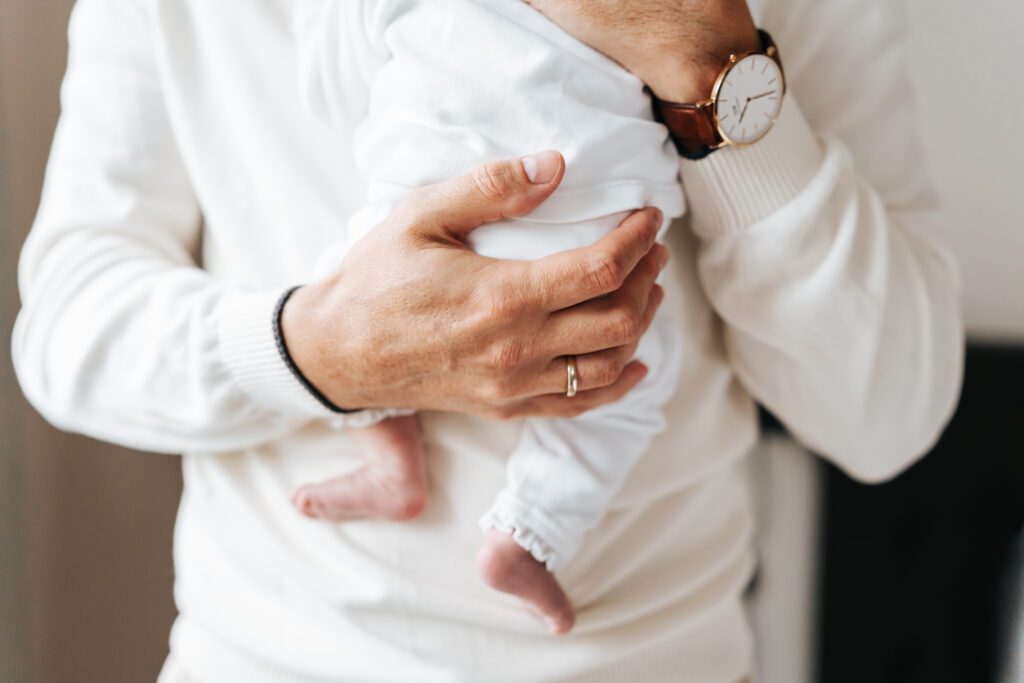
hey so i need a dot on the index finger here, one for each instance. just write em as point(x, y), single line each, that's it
point(577, 275)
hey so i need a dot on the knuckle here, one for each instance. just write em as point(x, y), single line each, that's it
point(504, 413)
point(625, 325)
point(492, 413)
point(504, 307)
point(507, 354)
point(620, 358)
point(487, 389)
point(503, 300)
point(494, 180)
point(651, 265)
point(518, 205)
point(604, 272)
point(503, 390)
point(646, 320)
point(607, 372)
point(619, 364)
point(492, 393)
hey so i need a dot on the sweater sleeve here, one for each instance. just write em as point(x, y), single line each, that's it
point(818, 250)
point(121, 336)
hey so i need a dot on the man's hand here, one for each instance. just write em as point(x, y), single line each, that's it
point(677, 47)
point(413, 318)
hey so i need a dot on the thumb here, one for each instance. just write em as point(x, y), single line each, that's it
point(495, 190)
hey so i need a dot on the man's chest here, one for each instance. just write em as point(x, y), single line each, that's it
point(273, 183)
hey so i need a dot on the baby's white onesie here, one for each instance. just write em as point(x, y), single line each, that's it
point(434, 88)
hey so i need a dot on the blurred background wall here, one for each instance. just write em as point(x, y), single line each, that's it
point(85, 528)
point(965, 55)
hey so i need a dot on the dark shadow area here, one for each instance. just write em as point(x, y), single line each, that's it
point(915, 575)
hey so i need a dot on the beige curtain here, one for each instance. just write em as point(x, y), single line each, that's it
point(85, 528)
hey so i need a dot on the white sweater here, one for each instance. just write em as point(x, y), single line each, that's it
point(810, 281)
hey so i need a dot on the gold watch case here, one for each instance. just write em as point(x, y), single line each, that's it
point(772, 52)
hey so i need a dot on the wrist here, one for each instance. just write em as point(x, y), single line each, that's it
point(683, 82)
point(249, 351)
point(297, 337)
point(688, 74)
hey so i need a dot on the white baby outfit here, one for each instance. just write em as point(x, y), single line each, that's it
point(434, 88)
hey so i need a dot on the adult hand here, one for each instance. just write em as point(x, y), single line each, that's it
point(413, 318)
point(677, 47)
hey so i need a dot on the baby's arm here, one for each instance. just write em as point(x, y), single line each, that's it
point(564, 473)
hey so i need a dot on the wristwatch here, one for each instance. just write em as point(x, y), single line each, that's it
point(744, 105)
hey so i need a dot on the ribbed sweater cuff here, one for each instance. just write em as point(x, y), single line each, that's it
point(247, 346)
point(736, 187)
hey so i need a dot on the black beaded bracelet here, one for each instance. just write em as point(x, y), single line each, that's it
point(286, 356)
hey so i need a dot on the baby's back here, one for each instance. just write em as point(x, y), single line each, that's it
point(454, 83)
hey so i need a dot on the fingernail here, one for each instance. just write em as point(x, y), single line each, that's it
point(659, 217)
point(541, 168)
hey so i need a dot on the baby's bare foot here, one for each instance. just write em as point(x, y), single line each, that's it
point(392, 484)
point(507, 567)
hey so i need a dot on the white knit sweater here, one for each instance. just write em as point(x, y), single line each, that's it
point(808, 280)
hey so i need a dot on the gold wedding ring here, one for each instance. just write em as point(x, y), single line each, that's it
point(572, 377)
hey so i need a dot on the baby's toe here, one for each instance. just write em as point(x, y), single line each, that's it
point(304, 500)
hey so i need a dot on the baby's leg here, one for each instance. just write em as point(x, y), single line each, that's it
point(509, 568)
point(391, 484)
point(563, 476)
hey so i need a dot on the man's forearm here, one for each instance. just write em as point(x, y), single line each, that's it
point(676, 48)
point(841, 312)
point(841, 308)
point(118, 336)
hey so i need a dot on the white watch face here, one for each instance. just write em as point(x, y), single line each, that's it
point(749, 99)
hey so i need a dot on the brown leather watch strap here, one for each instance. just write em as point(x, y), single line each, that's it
point(692, 127)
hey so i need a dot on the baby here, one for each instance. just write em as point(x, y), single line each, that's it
point(432, 89)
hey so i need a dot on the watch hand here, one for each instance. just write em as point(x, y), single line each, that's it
point(744, 113)
point(751, 99)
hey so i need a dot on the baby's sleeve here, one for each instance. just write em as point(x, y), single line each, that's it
point(341, 46)
point(564, 473)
